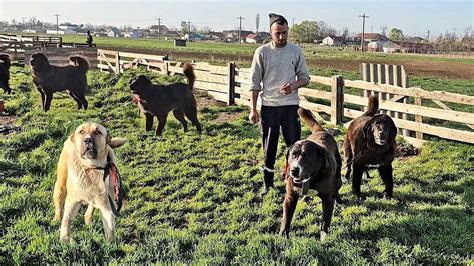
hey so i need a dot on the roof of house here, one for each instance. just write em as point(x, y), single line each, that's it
point(336, 38)
point(372, 36)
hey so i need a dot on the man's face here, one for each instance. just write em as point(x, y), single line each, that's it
point(279, 34)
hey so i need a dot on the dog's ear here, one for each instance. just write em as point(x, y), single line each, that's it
point(116, 142)
point(71, 137)
point(367, 130)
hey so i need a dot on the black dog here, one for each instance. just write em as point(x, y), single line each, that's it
point(370, 142)
point(313, 167)
point(50, 78)
point(158, 100)
point(5, 73)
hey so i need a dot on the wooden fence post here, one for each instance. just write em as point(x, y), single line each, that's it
point(418, 118)
point(231, 83)
point(117, 62)
point(165, 68)
point(337, 100)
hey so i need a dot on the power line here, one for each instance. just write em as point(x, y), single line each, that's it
point(240, 29)
point(363, 29)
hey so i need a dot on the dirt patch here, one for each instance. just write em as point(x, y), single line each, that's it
point(7, 125)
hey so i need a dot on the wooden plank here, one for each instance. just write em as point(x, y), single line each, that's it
point(175, 69)
point(322, 80)
point(444, 106)
point(418, 143)
point(211, 68)
point(315, 93)
point(418, 118)
point(454, 116)
point(211, 86)
point(314, 107)
point(242, 79)
point(412, 91)
point(142, 56)
point(212, 78)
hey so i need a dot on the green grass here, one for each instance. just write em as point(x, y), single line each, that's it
point(205, 47)
point(195, 198)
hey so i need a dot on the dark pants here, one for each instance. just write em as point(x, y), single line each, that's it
point(274, 118)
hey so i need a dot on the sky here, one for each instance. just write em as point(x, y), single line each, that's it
point(413, 17)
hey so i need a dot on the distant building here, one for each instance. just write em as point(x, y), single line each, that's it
point(136, 33)
point(114, 33)
point(60, 32)
point(155, 29)
point(411, 47)
point(68, 26)
point(383, 46)
point(371, 37)
point(332, 40)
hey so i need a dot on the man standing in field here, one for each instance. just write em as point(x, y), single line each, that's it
point(278, 70)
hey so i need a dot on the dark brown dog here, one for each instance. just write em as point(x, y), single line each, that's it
point(370, 142)
point(313, 167)
point(158, 100)
point(50, 78)
point(5, 73)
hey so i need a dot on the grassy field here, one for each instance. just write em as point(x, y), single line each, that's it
point(311, 51)
point(195, 198)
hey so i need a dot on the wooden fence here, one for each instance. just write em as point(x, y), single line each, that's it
point(60, 55)
point(231, 84)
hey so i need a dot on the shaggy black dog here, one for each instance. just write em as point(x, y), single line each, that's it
point(370, 143)
point(50, 78)
point(5, 64)
point(159, 100)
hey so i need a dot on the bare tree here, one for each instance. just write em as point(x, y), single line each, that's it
point(383, 30)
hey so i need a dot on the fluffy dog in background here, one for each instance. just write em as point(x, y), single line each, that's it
point(50, 78)
point(313, 167)
point(370, 142)
point(159, 100)
point(85, 175)
point(5, 64)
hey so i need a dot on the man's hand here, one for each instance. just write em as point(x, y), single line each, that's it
point(286, 89)
point(253, 117)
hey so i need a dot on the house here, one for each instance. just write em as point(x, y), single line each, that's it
point(420, 48)
point(161, 29)
point(135, 33)
point(60, 32)
point(194, 36)
point(383, 46)
point(216, 36)
point(371, 37)
point(114, 32)
point(333, 40)
point(257, 37)
point(68, 26)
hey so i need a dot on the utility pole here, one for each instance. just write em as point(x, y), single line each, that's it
point(428, 36)
point(159, 27)
point(363, 29)
point(189, 30)
point(240, 29)
point(57, 23)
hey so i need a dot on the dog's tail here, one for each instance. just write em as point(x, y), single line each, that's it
point(373, 106)
point(5, 58)
point(80, 62)
point(309, 120)
point(189, 73)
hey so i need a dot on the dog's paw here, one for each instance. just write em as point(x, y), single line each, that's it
point(322, 236)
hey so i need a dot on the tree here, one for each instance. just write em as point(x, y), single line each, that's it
point(345, 33)
point(184, 27)
point(396, 34)
point(257, 21)
point(383, 30)
point(304, 32)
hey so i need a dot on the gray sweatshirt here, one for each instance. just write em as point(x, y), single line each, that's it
point(274, 67)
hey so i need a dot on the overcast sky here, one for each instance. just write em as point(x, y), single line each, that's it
point(413, 17)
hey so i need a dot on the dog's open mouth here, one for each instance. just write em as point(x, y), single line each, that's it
point(89, 153)
point(299, 180)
